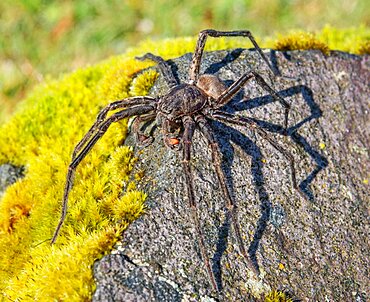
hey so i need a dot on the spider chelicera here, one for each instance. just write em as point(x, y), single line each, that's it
point(185, 108)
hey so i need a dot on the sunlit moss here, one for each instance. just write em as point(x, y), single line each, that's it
point(41, 136)
point(301, 41)
point(364, 48)
point(277, 296)
point(104, 199)
point(352, 40)
point(62, 273)
point(143, 82)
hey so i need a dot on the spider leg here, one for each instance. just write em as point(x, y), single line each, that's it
point(164, 67)
point(202, 38)
point(133, 101)
point(189, 125)
point(208, 133)
point(138, 124)
point(248, 122)
point(229, 93)
point(102, 128)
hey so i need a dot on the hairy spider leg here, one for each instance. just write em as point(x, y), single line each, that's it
point(230, 92)
point(208, 133)
point(133, 101)
point(189, 126)
point(164, 67)
point(102, 128)
point(248, 122)
point(170, 79)
point(201, 42)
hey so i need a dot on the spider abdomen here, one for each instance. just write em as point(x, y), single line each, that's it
point(184, 99)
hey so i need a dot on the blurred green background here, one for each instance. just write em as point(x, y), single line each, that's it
point(41, 38)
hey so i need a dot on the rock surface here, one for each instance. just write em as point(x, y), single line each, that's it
point(314, 248)
point(9, 175)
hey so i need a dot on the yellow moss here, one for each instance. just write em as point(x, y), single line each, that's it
point(353, 40)
point(116, 81)
point(104, 199)
point(41, 137)
point(301, 41)
point(364, 48)
point(46, 274)
point(130, 206)
point(120, 164)
point(277, 296)
point(143, 82)
point(175, 47)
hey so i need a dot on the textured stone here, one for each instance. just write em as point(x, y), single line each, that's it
point(316, 249)
point(9, 175)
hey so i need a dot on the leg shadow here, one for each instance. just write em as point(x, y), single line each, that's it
point(252, 150)
point(315, 112)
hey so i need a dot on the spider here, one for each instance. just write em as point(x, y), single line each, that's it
point(185, 108)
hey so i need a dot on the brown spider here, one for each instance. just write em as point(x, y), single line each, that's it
point(185, 108)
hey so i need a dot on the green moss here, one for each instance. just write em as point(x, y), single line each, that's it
point(41, 136)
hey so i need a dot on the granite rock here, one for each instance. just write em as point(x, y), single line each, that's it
point(9, 174)
point(314, 248)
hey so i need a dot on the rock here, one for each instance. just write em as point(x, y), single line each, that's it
point(314, 248)
point(9, 175)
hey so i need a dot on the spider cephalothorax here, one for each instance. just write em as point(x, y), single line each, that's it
point(186, 100)
point(187, 107)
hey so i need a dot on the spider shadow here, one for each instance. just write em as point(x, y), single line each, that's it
point(229, 58)
point(252, 150)
point(234, 54)
point(315, 112)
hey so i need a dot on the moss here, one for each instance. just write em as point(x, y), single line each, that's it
point(277, 296)
point(364, 48)
point(354, 40)
point(41, 136)
point(301, 41)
